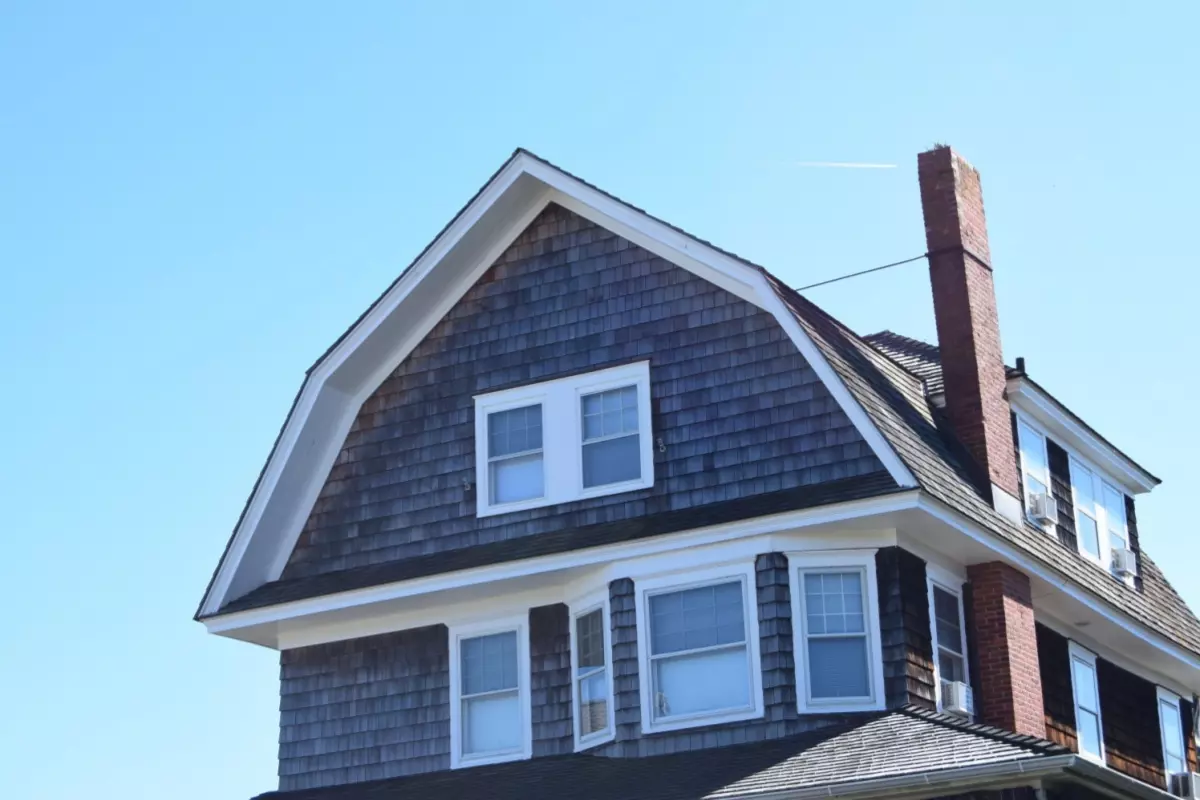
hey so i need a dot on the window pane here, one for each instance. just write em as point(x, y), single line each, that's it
point(1089, 732)
point(695, 618)
point(1172, 732)
point(612, 461)
point(1085, 491)
point(491, 723)
point(589, 638)
point(1114, 506)
point(1089, 537)
point(489, 663)
point(515, 431)
point(1085, 685)
point(1034, 486)
point(703, 682)
point(518, 478)
point(833, 602)
point(837, 667)
point(610, 413)
point(593, 703)
point(950, 665)
point(949, 634)
point(1033, 451)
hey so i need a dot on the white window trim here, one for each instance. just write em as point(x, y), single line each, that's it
point(579, 608)
point(562, 436)
point(1100, 511)
point(830, 560)
point(1167, 696)
point(519, 624)
point(952, 584)
point(1026, 468)
point(1076, 652)
point(645, 587)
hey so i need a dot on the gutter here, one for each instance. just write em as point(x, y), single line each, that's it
point(1032, 772)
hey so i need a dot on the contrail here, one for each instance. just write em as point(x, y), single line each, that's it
point(842, 164)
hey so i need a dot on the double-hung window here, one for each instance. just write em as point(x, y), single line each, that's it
point(562, 440)
point(1035, 469)
point(1085, 687)
point(489, 693)
point(700, 650)
point(948, 630)
point(592, 673)
point(1100, 523)
point(1171, 729)
point(834, 602)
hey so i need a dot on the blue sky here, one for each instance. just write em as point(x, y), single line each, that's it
point(196, 199)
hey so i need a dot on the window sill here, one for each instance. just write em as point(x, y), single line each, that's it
point(702, 720)
point(842, 707)
point(466, 762)
point(588, 743)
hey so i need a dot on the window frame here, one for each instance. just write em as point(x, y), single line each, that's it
point(1078, 653)
point(597, 601)
point(645, 588)
point(837, 561)
point(520, 625)
point(948, 582)
point(1023, 425)
point(1169, 697)
point(562, 436)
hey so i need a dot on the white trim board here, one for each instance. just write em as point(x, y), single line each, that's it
point(337, 385)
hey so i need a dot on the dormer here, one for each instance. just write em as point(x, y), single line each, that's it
point(1076, 485)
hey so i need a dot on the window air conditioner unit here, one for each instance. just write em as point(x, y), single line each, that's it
point(1124, 562)
point(1043, 508)
point(957, 698)
point(1186, 784)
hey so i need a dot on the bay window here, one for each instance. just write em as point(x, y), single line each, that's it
point(700, 650)
point(948, 628)
point(834, 600)
point(591, 673)
point(489, 693)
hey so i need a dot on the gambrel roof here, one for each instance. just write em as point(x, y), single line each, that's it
point(878, 391)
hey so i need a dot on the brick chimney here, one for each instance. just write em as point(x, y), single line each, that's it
point(964, 305)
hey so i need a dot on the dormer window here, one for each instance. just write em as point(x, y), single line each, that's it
point(1035, 470)
point(568, 439)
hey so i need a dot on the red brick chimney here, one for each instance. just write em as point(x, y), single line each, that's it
point(964, 304)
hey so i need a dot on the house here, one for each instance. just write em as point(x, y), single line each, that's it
point(586, 506)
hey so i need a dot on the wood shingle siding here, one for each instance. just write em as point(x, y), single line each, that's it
point(1060, 489)
point(550, 682)
point(1129, 713)
point(1054, 665)
point(737, 410)
point(376, 707)
point(904, 623)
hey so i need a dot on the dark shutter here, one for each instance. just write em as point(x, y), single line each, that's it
point(1017, 447)
point(1060, 488)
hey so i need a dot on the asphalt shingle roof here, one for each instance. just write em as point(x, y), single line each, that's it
point(865, 747)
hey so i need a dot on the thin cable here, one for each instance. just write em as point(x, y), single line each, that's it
point(864, 272)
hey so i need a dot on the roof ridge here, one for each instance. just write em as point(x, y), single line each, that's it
point(1036, 743)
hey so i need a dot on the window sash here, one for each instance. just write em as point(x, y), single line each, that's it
point(946, 647)
point(491, 722)
point(1033, 450)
